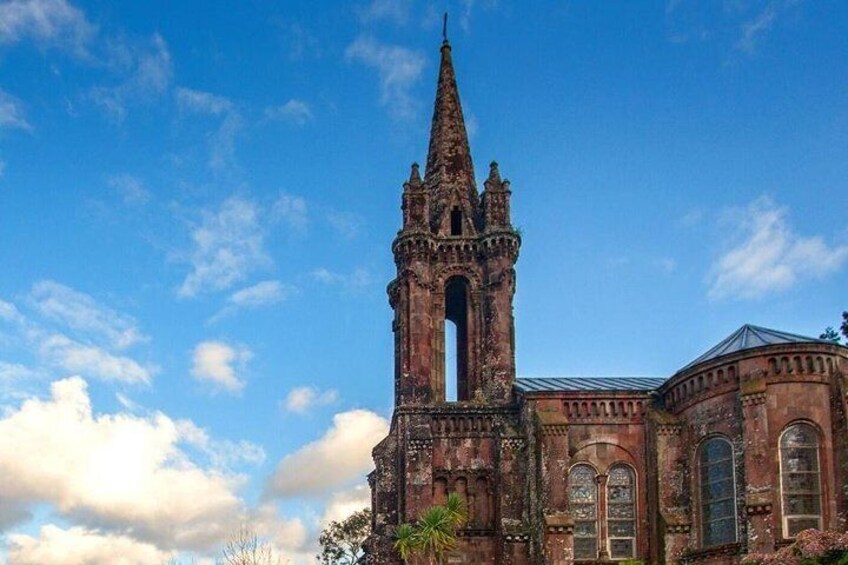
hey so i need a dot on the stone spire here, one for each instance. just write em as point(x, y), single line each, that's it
point(449, 174)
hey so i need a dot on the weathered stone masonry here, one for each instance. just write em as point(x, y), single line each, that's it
point(733, 453)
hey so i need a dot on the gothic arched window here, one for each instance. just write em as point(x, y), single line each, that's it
point(800, 479)
point(455, 339)
point(718, 492)
point(583, 503)
point(621, 512)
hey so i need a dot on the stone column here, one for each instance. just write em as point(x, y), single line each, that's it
point(758, 457)
point(553, 488)
point(672, 484)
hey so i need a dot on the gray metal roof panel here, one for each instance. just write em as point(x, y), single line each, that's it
point(749, 337)
point(588, 384)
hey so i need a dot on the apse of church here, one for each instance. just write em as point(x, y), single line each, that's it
point(736, 452)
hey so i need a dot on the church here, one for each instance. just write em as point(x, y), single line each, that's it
point(736, 452)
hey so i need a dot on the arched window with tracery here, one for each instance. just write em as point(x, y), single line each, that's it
point(800, 479)
point(718, 492)
point(621, 512)
point(583, 503)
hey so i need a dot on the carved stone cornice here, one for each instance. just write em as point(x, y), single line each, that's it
point(559, 524)
point(757, 504)
point(514, 443)
point(753, 399)
point(669, 429)
point(555, 430)
point(678, 528)
point(419, 444)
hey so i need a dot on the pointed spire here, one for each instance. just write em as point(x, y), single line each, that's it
point(449, 168)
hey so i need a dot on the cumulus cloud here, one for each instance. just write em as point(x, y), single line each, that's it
point(47, 22)
point(301, 399)
point(228, 246)
point(118, 472)
point(130, 188)
point(398, 68)
point(341, 456)
point(216, 362)
point(190, 100)
point(148, 71)
point(11, 111)
point(342, 504)
point(295, 111)
point(767, 256)
point(55, 546)
point(80, 312)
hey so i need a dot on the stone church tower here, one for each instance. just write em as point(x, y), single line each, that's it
point(454, 255)
point(736, 452)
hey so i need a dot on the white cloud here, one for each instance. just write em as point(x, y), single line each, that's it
point(767, 256)
point(202, 102)
point(11, 112)
point(294, 111)
point(80, 312)
point(216, 362)
point(260, 294)
point(130, 188)
point(396, 11)
point(341, 456)
point(222, 454)
point(345, 224)
point(265, 293)
point(342, 504)
point(399, 70)
point(754, 30)
point(302, 398)
point(351, 282)
point(291, 210)
point(228, 246)
point(148, 69)
point(47, 22)
point(118, 472)
point(57, 546)
point(75, 357)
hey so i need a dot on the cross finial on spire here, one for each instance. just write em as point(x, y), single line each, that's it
point(445, 28)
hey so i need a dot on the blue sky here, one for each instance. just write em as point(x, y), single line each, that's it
point(197, 203)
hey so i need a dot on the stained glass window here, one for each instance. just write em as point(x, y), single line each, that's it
point(583, 502)
point(718, 493)
point(800, 479)
point(621, 512)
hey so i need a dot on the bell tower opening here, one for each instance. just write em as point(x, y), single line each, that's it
point(456, 221)
point(456, 340)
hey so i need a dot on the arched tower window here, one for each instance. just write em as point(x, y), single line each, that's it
point(456, 338)
point(718, 492)
point(583, 504)
point(621, 512)
point(800, 479)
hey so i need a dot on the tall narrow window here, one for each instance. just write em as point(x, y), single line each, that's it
point(583, 503)
point(718, 493)
point(456, 221)
point(456, 311)
point(621, 512)
point(800, 479)
point(451, 388)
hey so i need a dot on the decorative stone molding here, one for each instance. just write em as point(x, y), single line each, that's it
point(754, 399)
point(522, 537)
point(423, 444)
point(512, 443)
point(758, 504)
point(555, 430)
point(559, 524)
point(669, 429)
point(678, 528)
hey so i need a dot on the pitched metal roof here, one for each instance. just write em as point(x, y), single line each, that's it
point(581, 384)
point(749, 337)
